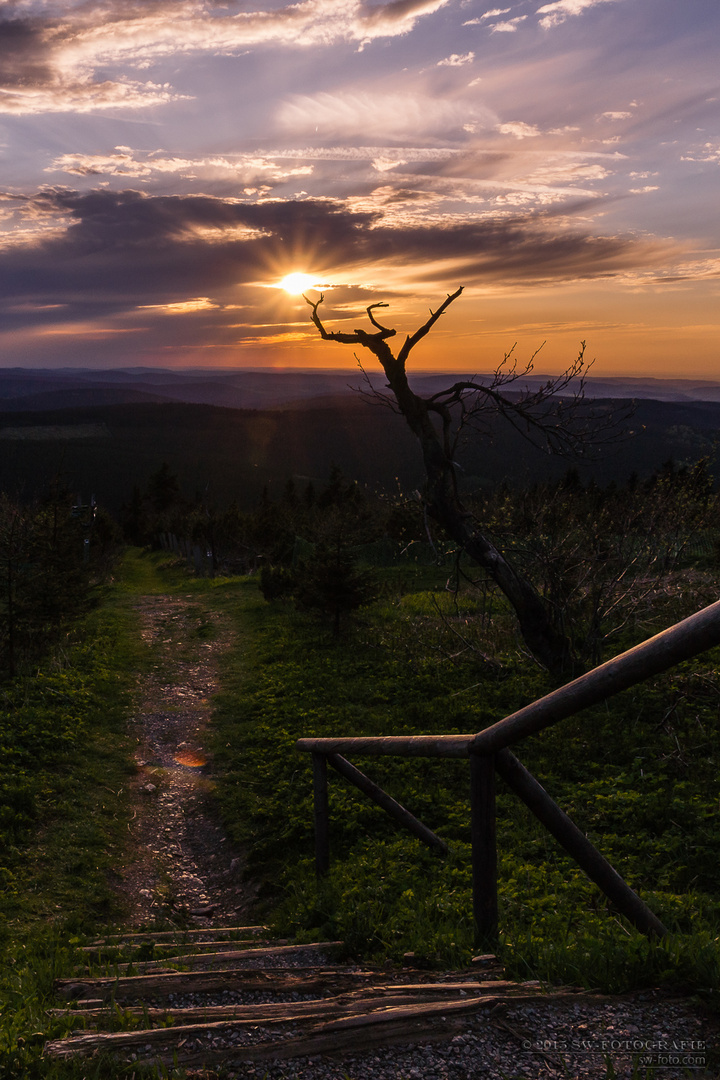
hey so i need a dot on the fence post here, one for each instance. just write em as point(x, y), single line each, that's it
point(484, 847)
point(322, 814)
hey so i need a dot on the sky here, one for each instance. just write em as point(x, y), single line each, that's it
point(166, 164)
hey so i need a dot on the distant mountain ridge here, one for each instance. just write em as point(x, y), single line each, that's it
point(232, 455)
point(25, 389)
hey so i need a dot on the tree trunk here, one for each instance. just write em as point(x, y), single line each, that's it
point(546, 643)
point(543, 638)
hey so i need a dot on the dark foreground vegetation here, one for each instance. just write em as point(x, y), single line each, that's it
point(227, 455)
point(354, 617)
point(440, 653)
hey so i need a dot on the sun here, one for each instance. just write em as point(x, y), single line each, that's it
point(297, 283)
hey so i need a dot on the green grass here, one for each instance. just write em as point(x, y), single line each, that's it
point(63, 814)
point(639, 776)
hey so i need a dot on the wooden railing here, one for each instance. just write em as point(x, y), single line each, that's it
point(488, 752)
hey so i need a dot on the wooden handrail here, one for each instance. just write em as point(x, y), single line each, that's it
point(455, 746)
point(682, 641)
point(488, 752)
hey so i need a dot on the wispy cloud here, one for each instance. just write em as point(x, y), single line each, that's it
point(77, 96)
point(709, 151)
point(182, 307)
point(519, 129)
point(247, 169)
point(556, 13)
point(349, 114)
point(457, 60)
point(509, 26)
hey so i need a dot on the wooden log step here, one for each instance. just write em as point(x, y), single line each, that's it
point(336, 1044)
point(94, 1009)
point(305, 979)
point(159, 946)
point(369, 1017)
point(220, 959)
point(207, 1018)
point(121, 1041)
point(209, 934)
point(437, 1023)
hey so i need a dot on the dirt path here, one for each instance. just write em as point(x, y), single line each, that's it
point(180, 865)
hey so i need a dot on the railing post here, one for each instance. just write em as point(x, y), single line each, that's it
point(566, 832)
point(322, 814)
point(484, 847)
point(388, 804)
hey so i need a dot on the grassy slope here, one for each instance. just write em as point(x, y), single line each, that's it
point(639, 776)
point(65, 756)
point(63, 813)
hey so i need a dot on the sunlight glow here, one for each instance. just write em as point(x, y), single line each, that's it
point(297, 283)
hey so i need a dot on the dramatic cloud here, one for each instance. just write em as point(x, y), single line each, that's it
point(125, 252)
point(51, 64)
point(538, 153)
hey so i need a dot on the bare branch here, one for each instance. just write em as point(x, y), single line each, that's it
point(326, 335)
point(385, 330)
point(372, 394)
point(412, 340)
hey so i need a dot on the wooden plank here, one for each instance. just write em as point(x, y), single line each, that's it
point(199, 1019)
point(162, 946)
point(214, 980)
point(122, 1041)
point(322, 814)
point(401, 745)
point(172, 935)
point(391, 807)
point(218, 959)
point(682, 641)
point(364, 998)
point(566, 832)
point(389, 1022)
point(335, 1044)
point(484, 848)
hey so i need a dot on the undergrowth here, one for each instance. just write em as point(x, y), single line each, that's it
point(637, 774)
point(63, 819)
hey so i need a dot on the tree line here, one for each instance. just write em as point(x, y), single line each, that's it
point(599, 558)
point(53, 553)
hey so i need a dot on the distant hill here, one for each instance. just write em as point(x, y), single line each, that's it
point(23, 389)
point(78, 397)
point(232, 454)
point(27, 390)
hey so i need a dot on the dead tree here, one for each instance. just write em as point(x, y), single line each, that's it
point(436, 420)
